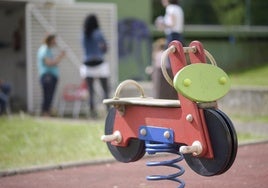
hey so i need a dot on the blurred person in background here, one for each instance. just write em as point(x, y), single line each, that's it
point(5, 90)
point(161, 87)
point(48, 70)
point(173, 21)
point(94, 65)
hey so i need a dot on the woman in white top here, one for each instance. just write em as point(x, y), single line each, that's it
point(172, 24)
point(173, 21)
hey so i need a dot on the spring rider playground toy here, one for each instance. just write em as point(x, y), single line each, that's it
point(192, 127)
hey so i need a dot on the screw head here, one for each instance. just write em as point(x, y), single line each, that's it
point(189, 117)
point(143, 132)
point(167, 134)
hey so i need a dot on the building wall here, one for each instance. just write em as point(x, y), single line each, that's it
point(67, 20)
point(18, 66)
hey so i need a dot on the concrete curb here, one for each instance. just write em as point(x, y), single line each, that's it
point(34, 169)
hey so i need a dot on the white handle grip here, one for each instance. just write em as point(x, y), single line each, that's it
point(195, 149)
point(116, 136)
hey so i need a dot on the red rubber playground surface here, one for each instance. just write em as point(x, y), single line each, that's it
point(250, 169)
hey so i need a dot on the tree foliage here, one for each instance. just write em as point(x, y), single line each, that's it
point(229, 12)
point(221, 12)
point(199, 12)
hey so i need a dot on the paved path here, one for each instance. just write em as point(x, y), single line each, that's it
point(250, 169)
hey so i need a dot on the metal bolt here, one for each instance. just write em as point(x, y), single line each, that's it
point(167, 134)
point(189, 118)
point(143, 132)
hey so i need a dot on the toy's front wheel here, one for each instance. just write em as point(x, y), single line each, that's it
point(224, 144)
point(135, 149)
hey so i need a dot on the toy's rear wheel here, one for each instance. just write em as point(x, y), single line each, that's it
point(224, 144)
point(135, 149)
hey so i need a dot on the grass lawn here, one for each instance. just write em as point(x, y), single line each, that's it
point(255, 77)
point(31, 141)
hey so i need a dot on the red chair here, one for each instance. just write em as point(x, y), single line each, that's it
point(76, 94)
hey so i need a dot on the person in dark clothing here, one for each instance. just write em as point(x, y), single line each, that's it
point(95, 47)
point(5, 90)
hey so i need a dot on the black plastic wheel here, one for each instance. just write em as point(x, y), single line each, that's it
point(222, 144)
point(135, 149)
point(234, 139)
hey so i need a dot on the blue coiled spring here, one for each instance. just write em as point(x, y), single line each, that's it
point(152, 148)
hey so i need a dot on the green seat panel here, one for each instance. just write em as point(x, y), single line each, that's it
point(202, 82)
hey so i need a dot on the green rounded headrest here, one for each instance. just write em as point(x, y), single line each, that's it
point(202, 82)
